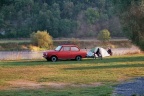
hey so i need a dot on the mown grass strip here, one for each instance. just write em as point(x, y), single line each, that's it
point(92, 91)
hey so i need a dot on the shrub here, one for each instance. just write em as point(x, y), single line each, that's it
point(104, 35)
point(42, 39)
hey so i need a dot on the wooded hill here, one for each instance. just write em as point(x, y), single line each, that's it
point(61, 18)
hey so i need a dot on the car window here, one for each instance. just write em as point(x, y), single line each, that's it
point(58, 48)
point(74, 49)
point(66, 48)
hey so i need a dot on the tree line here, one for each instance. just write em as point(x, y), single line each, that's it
point(131, 14)
point(61, 18)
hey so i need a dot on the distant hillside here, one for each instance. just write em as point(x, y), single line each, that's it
point(61, 18)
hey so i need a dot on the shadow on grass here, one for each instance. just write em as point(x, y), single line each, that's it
point(106, 67)
point(105, 61)
point(126, 59)
point(39, 62)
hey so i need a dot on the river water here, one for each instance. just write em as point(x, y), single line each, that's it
point(17, 55)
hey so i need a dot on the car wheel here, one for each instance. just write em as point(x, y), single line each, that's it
point(47, 59)
point(53, 58)
point(78, 58)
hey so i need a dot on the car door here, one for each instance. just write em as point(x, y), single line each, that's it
point(74, 52)
point(64, 52)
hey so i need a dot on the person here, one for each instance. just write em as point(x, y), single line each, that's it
point(109, 51)
point(98, 53)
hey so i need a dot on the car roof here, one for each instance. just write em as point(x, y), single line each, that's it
point(69, 45)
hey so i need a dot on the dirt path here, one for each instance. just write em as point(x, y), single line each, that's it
point(24, 84)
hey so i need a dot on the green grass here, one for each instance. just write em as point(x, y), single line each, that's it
point(107, 72)
point(93, 91)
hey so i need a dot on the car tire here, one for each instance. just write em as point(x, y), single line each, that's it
point(78, 58)
point(53, 58)
point(47, 59)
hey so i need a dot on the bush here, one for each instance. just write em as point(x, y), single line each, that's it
point(42, 39)
point(104, 35)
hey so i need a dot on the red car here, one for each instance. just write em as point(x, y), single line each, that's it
point(65, 52)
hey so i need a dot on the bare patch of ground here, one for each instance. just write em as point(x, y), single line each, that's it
point(24, 84)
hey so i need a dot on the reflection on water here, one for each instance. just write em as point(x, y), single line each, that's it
point(16, 55)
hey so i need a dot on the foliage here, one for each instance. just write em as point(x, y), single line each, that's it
point(104, 35)
point(92, 15)
point(41, 39)
point(62, 18)
point(132, 19)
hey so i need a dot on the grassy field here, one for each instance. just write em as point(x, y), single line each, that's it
point(88, 77)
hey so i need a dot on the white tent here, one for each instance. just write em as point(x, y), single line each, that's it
point(103, 52)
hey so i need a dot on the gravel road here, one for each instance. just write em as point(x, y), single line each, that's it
point(131, 88)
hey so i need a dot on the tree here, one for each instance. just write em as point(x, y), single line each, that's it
point(67, 9)
point(104, 35)
point(19, 18)
point(132, 19)
point(66, 27)
point(42, 39)
point(92, 15)
point(55, 20)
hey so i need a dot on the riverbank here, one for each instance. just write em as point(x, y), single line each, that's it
point(25, 45)
point(23, 49)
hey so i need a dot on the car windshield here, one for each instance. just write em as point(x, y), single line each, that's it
point(58, 48)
